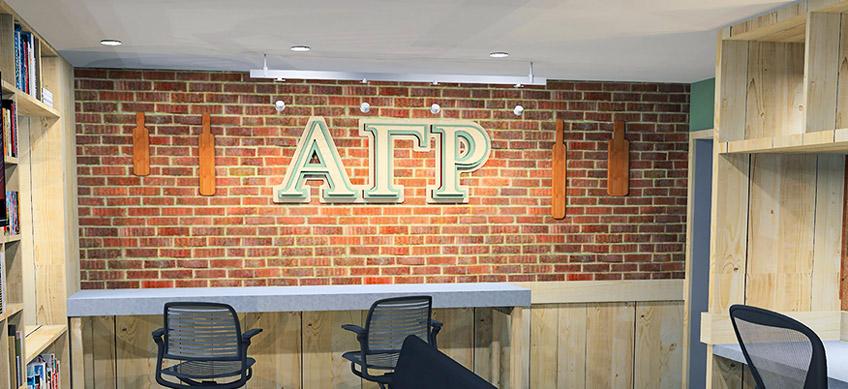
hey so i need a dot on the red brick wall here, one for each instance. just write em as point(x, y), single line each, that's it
point(157, 231)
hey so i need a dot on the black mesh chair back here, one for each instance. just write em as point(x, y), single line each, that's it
point(390, 321)
point(781, 351)
point(423, 367)
point(387, 325)
point(203, 346)
point(201, 331)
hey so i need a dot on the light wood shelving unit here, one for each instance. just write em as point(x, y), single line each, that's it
point(781, 133)
point(42, 262)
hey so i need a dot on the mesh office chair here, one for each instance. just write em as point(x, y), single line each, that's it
point(781, 351)
point(203, 343)
point(388, 324)
point(423, 367)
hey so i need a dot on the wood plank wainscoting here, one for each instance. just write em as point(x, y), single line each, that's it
point(586, 334)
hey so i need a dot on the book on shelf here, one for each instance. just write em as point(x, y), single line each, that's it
point(13, 227)
point(4, 287)
point(16, 346)
point(43, 372)
point(10, 128)
point(27, 62)
point(47, 97)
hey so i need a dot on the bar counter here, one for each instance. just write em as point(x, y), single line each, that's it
point(129, 302)
point(302, 341)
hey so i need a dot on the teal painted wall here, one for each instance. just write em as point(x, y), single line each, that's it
point(702, 105)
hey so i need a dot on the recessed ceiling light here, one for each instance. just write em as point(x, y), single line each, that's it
point(300, 48)
point(111, 42)
point(499, 54)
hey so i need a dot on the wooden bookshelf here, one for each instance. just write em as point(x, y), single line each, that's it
point(41, 262)
point(40, 338)
point(779, 168)
point(29, 105)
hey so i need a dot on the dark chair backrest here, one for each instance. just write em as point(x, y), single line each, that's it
point(423, 367)
point(781, 351)
point(391, 320)
point(202, 331)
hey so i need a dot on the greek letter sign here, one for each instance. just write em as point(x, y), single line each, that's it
point(460, 147)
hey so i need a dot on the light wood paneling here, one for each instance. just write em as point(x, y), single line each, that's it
point(544, 346)
point(782, 24)
point(716, 328)
point(723, 373)
point(842, 82)
point(604, 291)
point(780, 233)
point(457, 336)
point(609, 345)
point(276, 350)
point(658, 355)
point(728, 230)
point(828, 233)
point(731, 82)
point(486, 345)
point(822, 68)
point(101, 339)
point(323, 342)
point(571, 346)
point(136, 351)
point(775, 94)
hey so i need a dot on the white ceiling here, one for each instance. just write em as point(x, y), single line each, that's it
point(638, 40)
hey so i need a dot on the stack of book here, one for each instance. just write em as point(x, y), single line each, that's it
point(47, 97)
point(10, 128)
point(43, 372)
point(27, 62)
point(14, 226)
point(16, 346)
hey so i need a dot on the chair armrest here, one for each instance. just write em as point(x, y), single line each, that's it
point(435, 327)
point(361, 335)
point(157, 336)
point(354, 328)
point(245, 337)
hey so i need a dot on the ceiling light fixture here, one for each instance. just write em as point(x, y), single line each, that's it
point(111, 42)
point(280, 105)
point(435, 108)
point(300, 48)
point(430, 78)
point(518, 110)
point(364, 107)
point(499, 54)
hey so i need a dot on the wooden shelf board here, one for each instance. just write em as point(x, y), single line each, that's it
point(11, 238)
point(28, 105)
point(39, 338)
point(10, 160)
point(11, 310)
point(782, 24)
point(830, 141)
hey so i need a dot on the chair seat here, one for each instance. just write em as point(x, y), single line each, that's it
point(207, 369)
point(382, 361)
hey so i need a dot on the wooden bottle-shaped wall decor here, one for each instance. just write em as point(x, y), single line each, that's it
point(618, 165)
point(141, 147)
point(558, 174)
point(207, 158)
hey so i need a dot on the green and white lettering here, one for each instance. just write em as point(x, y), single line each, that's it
point(462, 146)
point(452, 160)
point(381, 135)
point(316, 143)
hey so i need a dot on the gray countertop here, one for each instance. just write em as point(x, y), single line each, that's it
point(836, 353)
point(128, 302)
